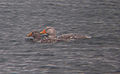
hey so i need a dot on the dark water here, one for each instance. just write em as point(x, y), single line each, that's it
point(97, 18)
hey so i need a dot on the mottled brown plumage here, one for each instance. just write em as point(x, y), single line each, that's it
point(52, 38)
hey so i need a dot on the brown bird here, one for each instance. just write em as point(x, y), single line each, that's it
point(48, 35)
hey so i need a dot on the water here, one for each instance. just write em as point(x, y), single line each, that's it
point(97, 18)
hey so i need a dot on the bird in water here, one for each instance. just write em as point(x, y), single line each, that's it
point(48, 35)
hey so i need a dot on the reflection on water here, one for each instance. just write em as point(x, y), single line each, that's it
point(98, 55)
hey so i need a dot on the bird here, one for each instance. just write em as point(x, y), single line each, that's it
point(48, 35)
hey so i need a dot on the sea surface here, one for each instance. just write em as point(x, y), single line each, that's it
point(99, 19)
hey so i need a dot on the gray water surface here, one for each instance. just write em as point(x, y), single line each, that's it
point(97, 18)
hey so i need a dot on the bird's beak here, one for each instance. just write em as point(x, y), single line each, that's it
point(30, 34)
point(43, 32)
